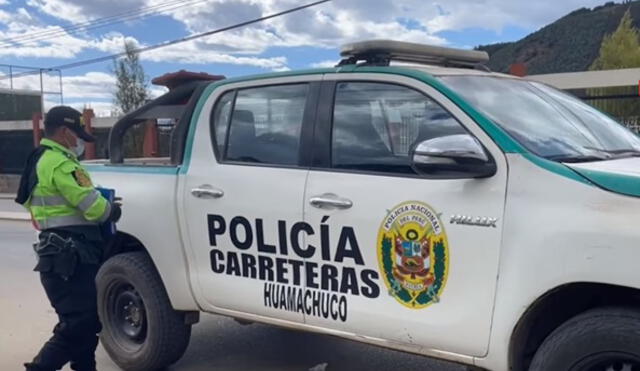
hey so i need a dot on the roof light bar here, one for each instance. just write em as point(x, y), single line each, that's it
point(381, 52)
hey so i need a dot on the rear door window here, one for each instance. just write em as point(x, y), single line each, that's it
point(266, 125)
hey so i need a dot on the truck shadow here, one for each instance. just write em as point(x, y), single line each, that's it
point(220, 343)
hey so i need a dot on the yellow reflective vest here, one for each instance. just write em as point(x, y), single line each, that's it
point(64, 195)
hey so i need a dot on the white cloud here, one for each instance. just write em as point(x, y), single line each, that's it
point(156, 91)
point(497, 14)
point(100, 109)
point(64, 46)
point(92, 85)
point(82, 10)
point(281, 69)
point(327, 25)
point(102, 105)
point(18, 20)
point(193, 52)
point(324, 64)
point(91, 90)
point(113, 43)
point(198, 53)
point(67, 47)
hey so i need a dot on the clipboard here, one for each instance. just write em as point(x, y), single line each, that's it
point(108, 229)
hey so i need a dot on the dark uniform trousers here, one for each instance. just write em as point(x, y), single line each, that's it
point(75, 337)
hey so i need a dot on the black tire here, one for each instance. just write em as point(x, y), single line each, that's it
point(141, 331)
point(599, 339)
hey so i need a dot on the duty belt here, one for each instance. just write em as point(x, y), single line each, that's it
point(52, 244)
point(56, 254)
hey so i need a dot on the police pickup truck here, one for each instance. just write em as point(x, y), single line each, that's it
point(407, 198)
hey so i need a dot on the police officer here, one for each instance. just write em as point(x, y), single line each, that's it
point(69, 212)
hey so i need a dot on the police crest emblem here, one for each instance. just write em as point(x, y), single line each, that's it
point(82, 178)
point(413, 254)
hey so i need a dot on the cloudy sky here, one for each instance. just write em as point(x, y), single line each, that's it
point(47, 33)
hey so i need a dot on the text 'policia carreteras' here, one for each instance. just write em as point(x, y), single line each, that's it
point(319, 288)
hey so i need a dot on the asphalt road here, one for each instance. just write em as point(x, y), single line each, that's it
point(7, 204)
point(217, 343)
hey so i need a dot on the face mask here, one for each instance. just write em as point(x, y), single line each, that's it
point(79, 148)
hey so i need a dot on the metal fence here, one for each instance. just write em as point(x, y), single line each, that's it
point(47, 81)
point(631, 122)
point(621, 102)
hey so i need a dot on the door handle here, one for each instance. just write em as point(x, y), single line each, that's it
point(330, 200)
point(207, 191)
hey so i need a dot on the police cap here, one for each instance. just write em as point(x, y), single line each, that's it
point(59, 116)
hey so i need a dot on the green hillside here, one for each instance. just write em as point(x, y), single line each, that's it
point(569, 44)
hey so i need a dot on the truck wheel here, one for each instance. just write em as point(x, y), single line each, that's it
point(604, 339)
point(141, 331)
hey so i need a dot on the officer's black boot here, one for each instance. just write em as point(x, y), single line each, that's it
point(83, 357)
point(34, 367)
point(86, 365)
point(52, 357)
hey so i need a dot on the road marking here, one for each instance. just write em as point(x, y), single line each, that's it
point(14, 215)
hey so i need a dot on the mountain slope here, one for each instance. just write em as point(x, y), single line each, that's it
point(569, 44)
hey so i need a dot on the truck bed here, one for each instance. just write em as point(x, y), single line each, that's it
point(141, 161)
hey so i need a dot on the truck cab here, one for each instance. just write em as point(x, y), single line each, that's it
point(407, 198)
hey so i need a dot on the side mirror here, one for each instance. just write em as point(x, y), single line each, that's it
point(452, 157)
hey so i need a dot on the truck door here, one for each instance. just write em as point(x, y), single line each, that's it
point(394, 265)
point(243, 191)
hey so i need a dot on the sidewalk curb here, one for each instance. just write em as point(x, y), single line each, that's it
point(7, 196)
point(9, 215)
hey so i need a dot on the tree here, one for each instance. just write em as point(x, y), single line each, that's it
point(131, 93)
point(621, 49)
point(131, 82)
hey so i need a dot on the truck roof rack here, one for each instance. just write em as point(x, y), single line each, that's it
point(382, 52)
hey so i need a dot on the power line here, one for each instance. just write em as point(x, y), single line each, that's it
point(93, 21)
point(172, 42)
point(132, 15)
point(188, 38)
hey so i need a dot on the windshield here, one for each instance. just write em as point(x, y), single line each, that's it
point(546, 121)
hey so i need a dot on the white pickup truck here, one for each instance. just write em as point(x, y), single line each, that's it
point(407, 198)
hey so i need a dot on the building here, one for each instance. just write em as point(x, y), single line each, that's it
point(17, 108)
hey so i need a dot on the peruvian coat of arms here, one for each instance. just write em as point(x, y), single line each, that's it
point(413, 254)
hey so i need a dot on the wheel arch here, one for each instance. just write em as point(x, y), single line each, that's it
point(175, 283)
point(125, 242)
point(557, 306)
